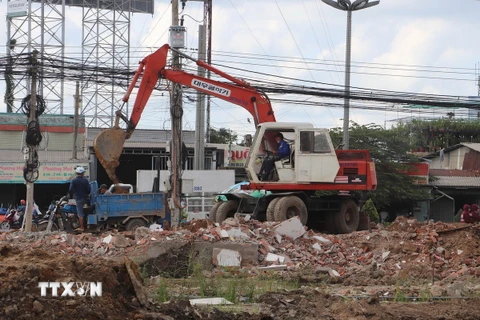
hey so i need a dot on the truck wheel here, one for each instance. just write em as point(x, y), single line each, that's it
point(226, 210)
point(213, 212)
point(271, 209)
point(134, 224)
point(347, 219)
point(5, 226)
point(289, 207)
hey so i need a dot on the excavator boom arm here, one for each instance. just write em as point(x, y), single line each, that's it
point(108, 144)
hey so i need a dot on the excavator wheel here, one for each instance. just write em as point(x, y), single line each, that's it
point(226, 210)
point(271, 209)
point(213, 212)
point(289, 207)
point(347, 219)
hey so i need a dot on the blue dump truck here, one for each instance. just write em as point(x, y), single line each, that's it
point(125, 211)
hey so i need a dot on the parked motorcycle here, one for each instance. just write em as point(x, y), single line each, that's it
point(61, 215)
point(14, 220)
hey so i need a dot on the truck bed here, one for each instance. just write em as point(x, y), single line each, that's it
point(113, 206)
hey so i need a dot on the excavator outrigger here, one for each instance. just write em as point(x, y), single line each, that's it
point(314, 166)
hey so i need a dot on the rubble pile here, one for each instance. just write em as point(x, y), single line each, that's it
point(406, 249)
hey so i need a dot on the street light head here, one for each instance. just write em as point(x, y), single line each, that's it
point(347, 5)
point(363, 4)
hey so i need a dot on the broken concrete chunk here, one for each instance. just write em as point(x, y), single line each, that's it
point(209, 301)
point(141, 232)
point(385, 255)
point(120, 241)
point(459, 252)
point(156, 227)
point(278, 238)
point(317, 247)
point(236, 233)
point(271, 257)
point(292, 228)
point(224, 234)
point(322, 239)
point(107, 239)
point(333, 273)
point(226, 258)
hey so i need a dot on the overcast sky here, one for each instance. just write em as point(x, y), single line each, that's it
point(399, 45)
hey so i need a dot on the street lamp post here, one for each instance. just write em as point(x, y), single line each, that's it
point(347, 5)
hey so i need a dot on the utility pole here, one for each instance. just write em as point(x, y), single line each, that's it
point(199, 160)
point(207, 11)
point(176, 112)
point(32, 149)
point(75, 120)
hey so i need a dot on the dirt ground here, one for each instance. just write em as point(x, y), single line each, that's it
point(443, 259)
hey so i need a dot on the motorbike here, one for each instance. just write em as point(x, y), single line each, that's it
point(61, 215)
point(14, 220)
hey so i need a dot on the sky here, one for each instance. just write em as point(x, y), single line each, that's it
point(399, 45)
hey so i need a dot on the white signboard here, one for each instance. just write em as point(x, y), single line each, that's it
point(17, 8)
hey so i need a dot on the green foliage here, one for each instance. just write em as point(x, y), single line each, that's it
point(162, 291)
point(222, 135)
point(371, 211)
point(389, 149)
point(433, 135)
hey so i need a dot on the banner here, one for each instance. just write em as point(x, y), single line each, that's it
point(236, 156)
point(48, 172)
point(17, 8)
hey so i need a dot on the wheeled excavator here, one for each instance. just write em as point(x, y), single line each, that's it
point(315, 183)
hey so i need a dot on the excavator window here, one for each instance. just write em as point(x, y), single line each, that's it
point(314, 142)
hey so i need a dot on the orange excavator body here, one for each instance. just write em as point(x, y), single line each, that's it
point(108, 144)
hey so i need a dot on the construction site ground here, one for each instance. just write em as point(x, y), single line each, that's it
point(407, 270)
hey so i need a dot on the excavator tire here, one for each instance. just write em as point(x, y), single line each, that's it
point(289, 207)
point(271, 209)
point(213, 212)
point(347, 219)
point(226, 210)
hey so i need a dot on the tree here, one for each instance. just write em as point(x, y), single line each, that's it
point(388, 148)
point(222, 135)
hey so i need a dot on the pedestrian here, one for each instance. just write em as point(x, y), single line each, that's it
point(80, 189)
point(475, 214)
point(467, 214)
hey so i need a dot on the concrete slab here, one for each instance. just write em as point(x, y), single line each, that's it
point(226, 258)
point(248, 251)
point(291, 228)
point(209, 302)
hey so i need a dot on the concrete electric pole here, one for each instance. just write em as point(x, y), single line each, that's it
point(32, 151)
point(75, 120)
point(176, 112)
point(199, 160)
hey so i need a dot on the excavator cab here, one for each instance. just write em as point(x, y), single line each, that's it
point(312, 156)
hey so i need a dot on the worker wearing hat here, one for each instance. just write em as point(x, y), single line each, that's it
point(80, 188)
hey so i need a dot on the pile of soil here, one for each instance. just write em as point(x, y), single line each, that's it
point(20, 298)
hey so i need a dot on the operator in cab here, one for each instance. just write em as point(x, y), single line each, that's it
point(104, 189)
point(80, 188)
point(283, 151)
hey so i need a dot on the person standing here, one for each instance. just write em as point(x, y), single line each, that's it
point(467, 214)
point(80, 188)
point(475, 214)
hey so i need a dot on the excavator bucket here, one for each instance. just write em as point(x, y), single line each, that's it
point(108, 146)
